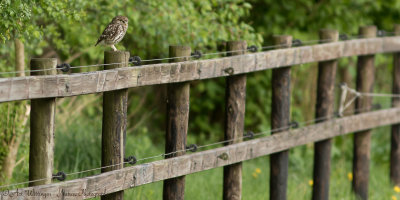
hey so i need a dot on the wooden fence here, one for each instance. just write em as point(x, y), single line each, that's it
point(43, 87)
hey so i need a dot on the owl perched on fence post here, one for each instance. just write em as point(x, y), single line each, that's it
point(114, 32)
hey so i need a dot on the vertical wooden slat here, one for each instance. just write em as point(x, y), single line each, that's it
point(362, 140)
point(114, 121)
point(41, 152)
point(235, 100)
point(324, 108)
point(280, 116)
point(395, 139)
point(177, 123)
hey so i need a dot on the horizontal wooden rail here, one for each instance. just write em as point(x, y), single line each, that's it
point(187, 164)
point(20, 88)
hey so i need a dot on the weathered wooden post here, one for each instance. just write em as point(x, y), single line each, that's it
point(280, 116)
point(114, 121)
point(324, 109)
point(235, 100)
point(221, 46)
point(41, 152)
point(395, 139)
point(177, 124)
point(362, 140)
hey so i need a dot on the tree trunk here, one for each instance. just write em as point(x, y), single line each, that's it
point(22, 113)
point(19, 57)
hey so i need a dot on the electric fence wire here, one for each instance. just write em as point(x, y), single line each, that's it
point(303, 124)
point(129, 62)
point(194, 56)
point(357, 94)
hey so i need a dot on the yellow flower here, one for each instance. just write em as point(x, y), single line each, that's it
point(350, 176)
point(258, 170)
point(396, 189)
point(311, 182)
point(255, 175)
point(394, 197)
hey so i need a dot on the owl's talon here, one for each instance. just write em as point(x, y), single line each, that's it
point(113, 47)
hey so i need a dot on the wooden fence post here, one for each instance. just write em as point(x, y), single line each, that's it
point(41, 152)
point(114, 121)
point(324, 108)
point(221, 46)
point(395, 139)
point(235, 100)
point(362, 140)
point(177, 124)
point(280, 116)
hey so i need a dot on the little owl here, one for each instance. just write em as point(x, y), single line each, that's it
point(114, 32)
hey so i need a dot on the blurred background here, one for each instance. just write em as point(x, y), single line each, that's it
point(68, 30)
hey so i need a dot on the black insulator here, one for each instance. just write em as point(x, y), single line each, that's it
point(297, 42)
point(381, 33)
point(191, 147)
point(249, 134)
point(196, 54)
point(252, 48)
point(131, 160)
point(65, 67)
point(343, 37)
point(61, 176)
point(136, 60)
point(376, 106)
point(294, 124)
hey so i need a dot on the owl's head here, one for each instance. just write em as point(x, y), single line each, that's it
point(120, 19)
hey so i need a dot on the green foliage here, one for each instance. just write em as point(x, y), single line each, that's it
point(15, 15)
point(29, 19)
point(72, 27)
point(12, 124)
point(307, 17)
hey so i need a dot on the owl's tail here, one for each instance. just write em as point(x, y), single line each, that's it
point(98, 41)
